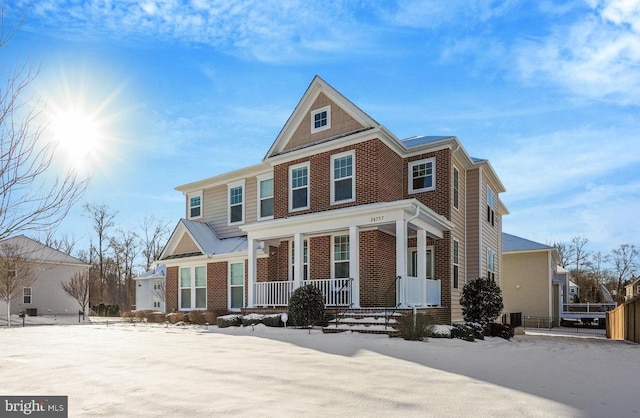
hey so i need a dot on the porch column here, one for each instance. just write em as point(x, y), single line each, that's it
point(298, 259)
point(422, 262)
point(251, 271)
point(401, 257)
point(354, 264)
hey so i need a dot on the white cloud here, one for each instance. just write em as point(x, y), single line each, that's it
point(436, 13)
point(595, 57)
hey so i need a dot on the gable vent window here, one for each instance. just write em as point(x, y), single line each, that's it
point(321, 119)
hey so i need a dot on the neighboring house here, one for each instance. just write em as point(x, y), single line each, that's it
point(341, 203)
point(532, 283)
point(49, 267)
point(632, 289)
point(150, 289)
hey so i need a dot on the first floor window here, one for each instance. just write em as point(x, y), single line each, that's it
point(492, 261)
point(341, 256)
point(305, 261)
point(156, 302)
point(26, 295)
point(456, 266)
point(236, 285)
point(193, 287)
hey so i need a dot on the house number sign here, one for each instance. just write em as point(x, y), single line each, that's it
point(377, 218)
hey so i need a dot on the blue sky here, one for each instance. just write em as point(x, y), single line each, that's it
point(184, 90)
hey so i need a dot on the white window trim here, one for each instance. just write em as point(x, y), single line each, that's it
point(30, 295)
point(431, 160)
point(261, 178)
point(229, 264)
point(410, 252)
point(304, 263)
point(313, 117)
point(453, 188)
point(333, 253)
point(351, 153)
point(492, 261)
point(239, 183)
point(193, 288)
point(308, 186)
point(189, 197)
point(454, 263)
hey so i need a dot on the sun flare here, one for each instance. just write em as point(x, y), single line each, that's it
point(77, 135)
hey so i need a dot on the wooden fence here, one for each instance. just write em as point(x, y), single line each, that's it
point(623, 323)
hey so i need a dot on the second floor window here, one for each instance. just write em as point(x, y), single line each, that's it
point(491, 206)
point(265, 197)
point(456, 188)
point(195, 205)
point(342, 178)
point(456, 265)
point(422, 175)
point(236, 202)
point(299, 187)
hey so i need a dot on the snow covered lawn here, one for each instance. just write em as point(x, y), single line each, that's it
point(152, 371)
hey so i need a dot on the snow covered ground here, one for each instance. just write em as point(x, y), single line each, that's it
point(150, 370)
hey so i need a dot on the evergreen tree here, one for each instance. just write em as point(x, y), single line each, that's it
point(481, 301)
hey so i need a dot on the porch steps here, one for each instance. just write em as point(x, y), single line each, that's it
point(362, 322)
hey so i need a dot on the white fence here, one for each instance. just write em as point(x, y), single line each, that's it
point(337, 292)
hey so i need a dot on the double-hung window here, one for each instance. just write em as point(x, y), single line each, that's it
point(236, 285)
point(456, 265)
point(195, 205)
point(456, 188)
point(341, 256)
point(422, 175)
point(27, 293)
point(305, 261)
point(265, 196)
point(491, 206)
point(236, 202)
point(343, 185)
point(492, 261)
point(321, 119)
point(299, 187)
point(193, 288)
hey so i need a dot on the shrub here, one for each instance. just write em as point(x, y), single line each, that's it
point(156, 317)
point(463, 332)
point(229, 321)
point(481, 301)
point(273, 320)
point(306, 306)
point(478, 330)
point(251, 319)
point(196, 317)
point(176, 317)
point(441, 331)
point(494, 329)
point(210, 317)
point(129, 316)
point(416, 327)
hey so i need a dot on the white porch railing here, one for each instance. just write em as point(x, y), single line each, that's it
point(412, 291)
point(337, 292)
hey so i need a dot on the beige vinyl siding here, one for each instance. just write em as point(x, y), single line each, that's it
point(341, 123)
point(474, 219)
point(185, 246)
point(529, 271)
point(491, 234)
point(458, 216)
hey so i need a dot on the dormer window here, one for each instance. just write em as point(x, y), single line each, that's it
point(321, 119)
point(195, 205)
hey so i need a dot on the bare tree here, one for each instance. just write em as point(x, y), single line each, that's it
point(16, 273)
point(102, 218)
point(565, 251)
point(154, 233)
point(64, 243)
point(160, 289)
point(625, 264)
point(78, 288)
point(579, 253)
point(125, 250)
point(32, 197)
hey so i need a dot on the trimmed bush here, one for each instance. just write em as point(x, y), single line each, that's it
point(196, 317)
point(306, 306)
point(252, 319)
point(463, 332)
point(176, 317)
point(417, 327)
point(229, 321)
point(273, 320)
point(494, 329)
point(210, 317)
point(441, 331)
point(481, 301)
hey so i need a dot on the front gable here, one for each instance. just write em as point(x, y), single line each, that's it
point(342, 118)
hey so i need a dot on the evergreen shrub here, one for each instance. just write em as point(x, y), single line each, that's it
point(481, 301)
point(306, 306)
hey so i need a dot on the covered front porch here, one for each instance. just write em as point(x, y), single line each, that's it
point(338, 252)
